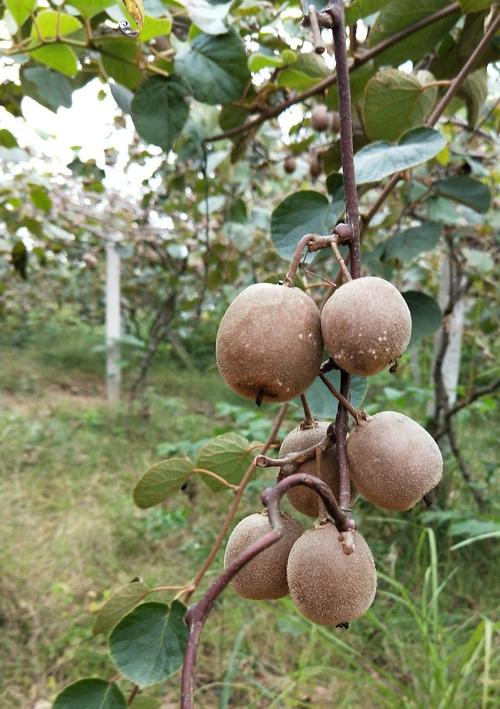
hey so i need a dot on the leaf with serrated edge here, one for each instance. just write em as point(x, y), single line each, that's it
point(161, 481)
point(123, 600)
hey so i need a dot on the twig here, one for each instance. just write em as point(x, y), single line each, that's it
point(357, 415)
point(197, 615)
point(264, 461)
point(309, 419)
point(214, 476)
point(464, 403)
point(338, 257)
point(133, 693)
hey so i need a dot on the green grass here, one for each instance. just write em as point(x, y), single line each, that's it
point(71, 534)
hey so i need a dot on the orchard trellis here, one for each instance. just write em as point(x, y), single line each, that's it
point(170, 619)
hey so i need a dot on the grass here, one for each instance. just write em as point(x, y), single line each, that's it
point(71, 534)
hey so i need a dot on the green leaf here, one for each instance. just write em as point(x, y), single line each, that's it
point(119, 57)
point(395, 101)
point(57, 56)
point(466, 190)
point(301, 213)
point(143, 702)
point(50, 88)
point(123, 600)
point(408, 244)
point(265, 58)
point(89, 8)
point(7, 139)
point(122, 96)
point(474, 91)
point(20, 10)
point(399, 14)
point(148, 644)
point(480, 261)
point(155, 27)
point(91, 693)
point(210, 18)
point(19, 258)
point(40, 198)
point(228, 455)
point(362, 8)
point(215, 68)
point(380, 159)
point(426, 314)
point(159, 111)
point(323, 404)
point(307, 71)
point(161, 481)
point(50, 24)
point(475, 5)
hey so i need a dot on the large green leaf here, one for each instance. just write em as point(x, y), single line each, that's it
point(57, 56)
point(380, 159)
point(467, 190)
point(302, 213)
point(159, 111)
point(119, 58)
point(50, 24)
point(20, 10)
point(407, 244)
point(228, 455)
point(395, 101)
point(425, 312)
point(161, 481)
point(215, 68)
point(90, 693)
point(155, 27)
point(121, 602)
point(49, 88)
point(399, 14)
point(323, 404)
point(362, 8)
point(148, 644)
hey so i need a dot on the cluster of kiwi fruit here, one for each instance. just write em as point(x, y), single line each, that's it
point(269, 347)
point(322, 121)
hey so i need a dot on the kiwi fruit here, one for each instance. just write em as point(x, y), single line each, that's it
point(269, 345)
point(328, 586)
point(264, 577)
point(314, 167)
point(335, 118)
point(290, 164)
point(320, 118)
point(393, 461)
point(302, 498)
point(366, 324)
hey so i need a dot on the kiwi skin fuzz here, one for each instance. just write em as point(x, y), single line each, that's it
point(269, 345)
point(366, 324)
point(302, 498)
point(328, 586)
point(393, 461)
point(264, 577)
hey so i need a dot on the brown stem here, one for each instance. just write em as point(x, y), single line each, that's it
point(326, 83)
point(319, 46)
point(133, 693)
point(197, 614)
point(338, 257)
point(463, 467)
point(357, 415)
point(264, 461)
point(309, 419)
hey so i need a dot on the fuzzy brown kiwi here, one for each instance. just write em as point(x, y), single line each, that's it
point(264, 577)
point(393, 461)
point(290, 164)
point(320, 118)
point(328, 586)
point(366, 324)
point(302, 498)
point(269, 345)
point(314, 167)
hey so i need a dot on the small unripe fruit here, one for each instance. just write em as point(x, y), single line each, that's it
point(302, 498)
point(290, 164)
point(328, 586)
point(320, 118)
point(264, 577)
point(269, 345)
point(393, 461)
point(335, 120)
point(366, 324)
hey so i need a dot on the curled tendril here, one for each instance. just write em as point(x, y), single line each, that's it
point(127, 30)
